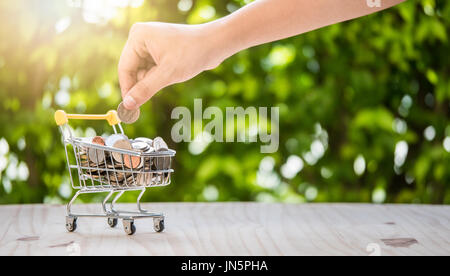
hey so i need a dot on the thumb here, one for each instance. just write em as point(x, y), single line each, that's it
point(144, 89)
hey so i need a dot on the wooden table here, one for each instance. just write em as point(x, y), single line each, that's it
point(234, 229)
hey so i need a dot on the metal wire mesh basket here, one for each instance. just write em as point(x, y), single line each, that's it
point(98, 168)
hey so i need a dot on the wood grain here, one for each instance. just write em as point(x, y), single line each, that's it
point(234, 229)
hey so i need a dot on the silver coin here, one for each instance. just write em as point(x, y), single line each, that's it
point(146, 179)
point(127, 116)
point(145, 140)
point(140, 146)
point(97, 156)
point(112, 139)
point(161, 162)
point(159, 144)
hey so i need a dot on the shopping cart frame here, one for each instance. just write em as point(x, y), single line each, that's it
point(149, 177)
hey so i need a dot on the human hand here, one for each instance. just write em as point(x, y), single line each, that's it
point(160, 54)
point(157, 55)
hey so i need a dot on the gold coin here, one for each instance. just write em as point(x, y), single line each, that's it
point(127, 116)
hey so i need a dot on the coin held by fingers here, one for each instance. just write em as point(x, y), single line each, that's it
point(126, 115)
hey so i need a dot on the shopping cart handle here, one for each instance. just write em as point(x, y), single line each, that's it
point(62, 117)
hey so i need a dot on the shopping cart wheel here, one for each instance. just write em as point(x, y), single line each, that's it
point(128, 226)
point(71, 223)
point(158, 224)
point(112, 222)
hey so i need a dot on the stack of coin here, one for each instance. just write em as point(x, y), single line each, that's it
point(120, 179)
point(161, 163)
point(144, 145)
point(140, 146)
point(95, 161)
point(146, 178)
point(120, 141)
point(121, 169)
point(145, 140)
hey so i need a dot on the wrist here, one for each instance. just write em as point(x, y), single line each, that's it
point(218, 41)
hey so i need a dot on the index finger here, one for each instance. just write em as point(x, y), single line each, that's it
point(128, 68)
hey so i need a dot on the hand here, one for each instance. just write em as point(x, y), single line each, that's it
point(157, 55)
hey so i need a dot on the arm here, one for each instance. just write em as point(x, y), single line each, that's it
point(159, 54)
point(270, 20)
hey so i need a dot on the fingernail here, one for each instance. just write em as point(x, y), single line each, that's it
point(129, 102)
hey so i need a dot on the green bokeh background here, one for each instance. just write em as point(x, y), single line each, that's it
point(356, 91)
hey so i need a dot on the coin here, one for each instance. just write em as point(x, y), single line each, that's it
point(132, 161)
point(128, 180)
point(118, 141)
point(140, 146)
point(123, 180)
point(146, 179)
point(120, 144)
point(113, 138)
point(161, 162)
point(127, 116)
point(144, 139)
point(97, 156)
point(159, 144)
point(98, 140)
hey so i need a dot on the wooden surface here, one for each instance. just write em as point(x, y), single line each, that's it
point(234, 229)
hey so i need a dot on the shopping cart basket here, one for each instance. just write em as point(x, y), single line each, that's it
point(107, 174)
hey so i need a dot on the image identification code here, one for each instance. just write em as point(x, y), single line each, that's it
point(228, 266)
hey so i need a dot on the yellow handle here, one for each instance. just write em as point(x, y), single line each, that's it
point(62, 117)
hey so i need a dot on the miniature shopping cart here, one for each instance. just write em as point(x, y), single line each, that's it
point(107, 176)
